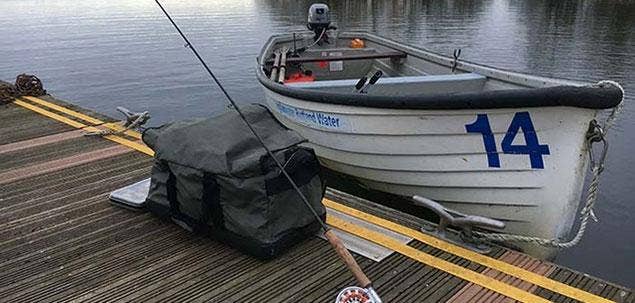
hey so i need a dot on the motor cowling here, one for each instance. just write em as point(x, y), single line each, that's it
point(319, 17)
point(319, 21)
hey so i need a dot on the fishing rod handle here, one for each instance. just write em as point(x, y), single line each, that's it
point(348, 259)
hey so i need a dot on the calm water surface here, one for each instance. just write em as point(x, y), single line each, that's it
point(100, 54)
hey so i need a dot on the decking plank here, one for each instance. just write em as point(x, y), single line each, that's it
point(21, 124)
point(31, 144)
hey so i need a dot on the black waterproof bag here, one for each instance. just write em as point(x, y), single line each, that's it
point(212, 176)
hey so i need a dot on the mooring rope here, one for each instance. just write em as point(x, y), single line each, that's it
point(596, 133)
point(25, 85)
point(7, 93)
point(125, 126)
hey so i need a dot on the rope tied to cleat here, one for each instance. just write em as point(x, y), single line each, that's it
point(25, 85)
point(132, 121)
point(595, 134)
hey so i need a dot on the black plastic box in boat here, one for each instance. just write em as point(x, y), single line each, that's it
point(212, 176)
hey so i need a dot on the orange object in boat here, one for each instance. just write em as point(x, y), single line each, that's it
point(300, 77)
point(357, 43)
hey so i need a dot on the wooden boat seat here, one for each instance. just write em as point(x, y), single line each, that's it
point(346, 57)
point(406, 85)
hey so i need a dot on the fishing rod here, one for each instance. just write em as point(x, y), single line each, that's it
point(337, 244)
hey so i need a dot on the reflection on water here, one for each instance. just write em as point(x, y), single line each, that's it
point(101, 54)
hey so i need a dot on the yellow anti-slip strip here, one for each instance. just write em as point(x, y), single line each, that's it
point(134, 145)
point(415, 254)
point(78, 115)
point(467, 254)
point(411, 252)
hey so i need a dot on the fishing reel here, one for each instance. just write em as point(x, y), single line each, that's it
point(355, 294)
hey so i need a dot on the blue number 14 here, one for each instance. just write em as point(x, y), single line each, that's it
point(521, 121)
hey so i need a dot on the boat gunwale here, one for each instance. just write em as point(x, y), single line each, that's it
point(564, 93)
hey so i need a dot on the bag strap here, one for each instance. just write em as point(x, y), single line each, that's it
point(212, 210)
point(175, 209)
point(171, 191)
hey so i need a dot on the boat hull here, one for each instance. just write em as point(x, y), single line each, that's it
point(531, 178)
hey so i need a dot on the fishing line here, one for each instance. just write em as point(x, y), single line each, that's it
point(242, 116)
point(335, 242)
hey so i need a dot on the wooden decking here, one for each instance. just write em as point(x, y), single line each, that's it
point(61, 240)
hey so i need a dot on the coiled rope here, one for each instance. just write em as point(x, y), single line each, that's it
point(596, 133)
point(7, 93)
point(25, 85)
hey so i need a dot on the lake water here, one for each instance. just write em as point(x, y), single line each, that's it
point(101, 54)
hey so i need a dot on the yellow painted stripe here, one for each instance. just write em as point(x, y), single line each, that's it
point(117, 127)
point(415, 254)
point(134, 145)
point(501, 266)
point(63, 110)
point(78, 115)
point(51, 115)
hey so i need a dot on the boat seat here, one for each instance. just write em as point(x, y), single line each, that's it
point(407, 85)
point(346, 57)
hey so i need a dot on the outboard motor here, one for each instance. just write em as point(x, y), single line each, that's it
point(319, 21)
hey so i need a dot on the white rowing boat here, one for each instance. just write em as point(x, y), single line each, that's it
point(477, 139)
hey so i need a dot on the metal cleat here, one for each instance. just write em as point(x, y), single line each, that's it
point(132, 118)
point(454, 218)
